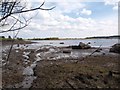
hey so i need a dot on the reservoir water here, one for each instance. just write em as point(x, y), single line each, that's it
point(105, 43)
point(93, 42)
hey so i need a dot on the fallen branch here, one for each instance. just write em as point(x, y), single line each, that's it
point(70, 85)
point(95, 50)
point(90, 54)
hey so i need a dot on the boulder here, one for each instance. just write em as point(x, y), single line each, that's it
point(81, 46)
point(84, 46)
point(76, 47)
point(115, 48)
point(66, 51)
point(61, 42)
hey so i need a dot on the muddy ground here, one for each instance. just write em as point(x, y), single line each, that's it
point(27, 68)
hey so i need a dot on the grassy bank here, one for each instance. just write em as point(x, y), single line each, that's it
point(7, 41)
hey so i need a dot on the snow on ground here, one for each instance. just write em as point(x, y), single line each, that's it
point(26, 57)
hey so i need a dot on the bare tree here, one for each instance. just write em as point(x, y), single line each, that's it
point(12, 11)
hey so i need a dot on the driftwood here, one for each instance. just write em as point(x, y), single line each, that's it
point(90, 54)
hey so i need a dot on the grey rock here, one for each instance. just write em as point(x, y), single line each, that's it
point(115, 48)
point(81, 46)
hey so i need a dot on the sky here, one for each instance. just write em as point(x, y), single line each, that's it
point(71, 19)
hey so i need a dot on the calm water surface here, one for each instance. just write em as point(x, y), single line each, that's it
point(94, 42)
point(107, 43)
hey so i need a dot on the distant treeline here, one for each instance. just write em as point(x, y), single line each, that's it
point(98, 37)
point(53, 38)
point(106, 37)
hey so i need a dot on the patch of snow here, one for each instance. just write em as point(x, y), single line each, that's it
point(16, 51)
point(61, 55)
point(48, 48)
point(33, 65)
point(3, 60)
point(28, 71)
point(5, 54)
point(52, 50)
point(26, 57)
point(27, 82)
point(26, 53)
point(38, 57)
point(4, 64)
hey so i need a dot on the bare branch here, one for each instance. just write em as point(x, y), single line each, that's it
point(32, 10)
point(42, 4)
point(17, 12)
point(12, 45)
point(13, 25)
point(17, 19)
point(14, 29)
point(95, 50)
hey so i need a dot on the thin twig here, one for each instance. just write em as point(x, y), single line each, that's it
point(14, 29)
point(17, 19)
point(70, 85)
point(11, 46)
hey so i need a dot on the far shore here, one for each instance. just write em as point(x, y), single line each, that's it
point(96, 37)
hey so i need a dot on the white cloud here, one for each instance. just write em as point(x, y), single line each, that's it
point(111, 2)
point(65, 26)
point(86, 12)
point(115, 7)
point(114, 3)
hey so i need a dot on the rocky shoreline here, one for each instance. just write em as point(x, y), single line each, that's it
point(60, 67)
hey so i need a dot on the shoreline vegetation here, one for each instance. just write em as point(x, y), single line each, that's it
point(8, 41)
point(97, 37)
